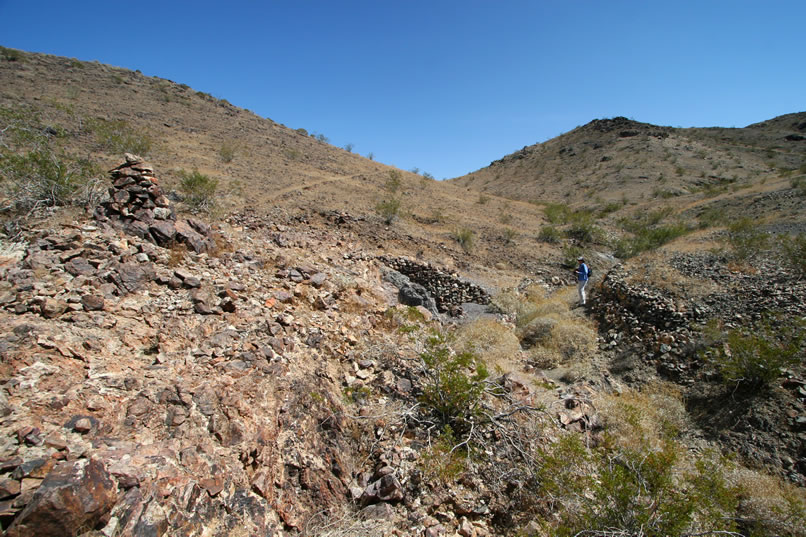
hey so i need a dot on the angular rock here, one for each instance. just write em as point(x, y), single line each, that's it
point(74, 496)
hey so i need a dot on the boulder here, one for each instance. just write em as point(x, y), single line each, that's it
point(74, 496)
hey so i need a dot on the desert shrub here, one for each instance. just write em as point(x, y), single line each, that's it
point(388, 209)
point(454, 383)
point(646, 233)
point(746, 238)
point(570, 254)
point(464, 237)
point(639, 480)
point(43, 177)
point(557, 213)
point(10, 54)
point(349, 147)
point(794, 252)
point(34, 171)
point(711, 217)
point(199, 189)
point(371, 155)
point(441, 462)
point(648, 238)
point(549, 234)
point(509, 235)
point(227, 151)
point(117, 136)
point(582, 229)
point(799, 184)
point(302, 131)
point(752, 358)
point(393, 182)
point(483, 199)
point(428, 176)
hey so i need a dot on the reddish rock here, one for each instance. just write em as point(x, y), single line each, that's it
point(8, 488)
point(92, 302)
point(52, 308)
point(74, 496)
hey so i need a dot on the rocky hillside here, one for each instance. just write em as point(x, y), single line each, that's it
point(622, 160)
point(289, 360)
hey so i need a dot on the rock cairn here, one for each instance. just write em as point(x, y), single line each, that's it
point(138, 206)
point(447, 289)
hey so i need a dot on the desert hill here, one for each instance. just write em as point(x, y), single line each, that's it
point(321, 345)
point(621, 160)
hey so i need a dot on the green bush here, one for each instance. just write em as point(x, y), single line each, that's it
point(753, 357)
point(10, 54)
point(117, 136)
point(199, 189)
point(557, 213)
point(454, 384)
point(648, 238)
point(794, 251)
point(388, 209)
point(464, 237)
point(393, 182)
point(227, 151)
point(43, 177)
point(549, 234)
point(34, 171)
point(646, 233)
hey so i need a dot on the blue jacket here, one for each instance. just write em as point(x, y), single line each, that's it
point(582, 272)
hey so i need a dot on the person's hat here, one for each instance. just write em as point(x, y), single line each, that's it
point(580, 258)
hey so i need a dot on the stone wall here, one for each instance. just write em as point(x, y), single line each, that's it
point(447, 289)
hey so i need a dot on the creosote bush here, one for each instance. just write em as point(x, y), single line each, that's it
point(388, 209)
point(199, 189)
point(752, 358)
point(454, 384)
point(35, 171)
point(647, 233)
point(117, 136)
point(227, 151)
point(464, 237)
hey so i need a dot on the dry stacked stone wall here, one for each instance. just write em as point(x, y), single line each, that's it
point(447, 289)
point(138, 206)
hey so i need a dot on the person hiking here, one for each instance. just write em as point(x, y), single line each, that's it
point(582, 272)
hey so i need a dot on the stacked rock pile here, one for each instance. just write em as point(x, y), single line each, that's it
point(447, 289)
point(138, 206)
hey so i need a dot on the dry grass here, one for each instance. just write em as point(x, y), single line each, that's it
point(647, 417)
point(496, 343)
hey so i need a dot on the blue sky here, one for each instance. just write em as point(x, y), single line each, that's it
point(446, 86)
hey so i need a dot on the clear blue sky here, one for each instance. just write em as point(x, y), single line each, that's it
point(445, 85)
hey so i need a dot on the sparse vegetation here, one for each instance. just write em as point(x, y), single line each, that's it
point(393, 182)
point(35, 171)
point(388, 209)
point(549, 234)
point(746, 238)
point(117, 136)
point(646, 233)
point(464, 236)
point(228, 150)
point(752, 358)
point(454, 385)
point(199, 189)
